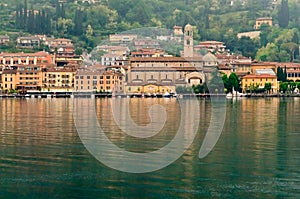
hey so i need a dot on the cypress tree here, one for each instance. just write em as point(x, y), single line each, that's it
point(25, 15)
point(62, 11)
point(283, 14)
point(58, 10)
point(78, 20)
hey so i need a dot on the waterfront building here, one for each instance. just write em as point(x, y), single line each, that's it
point(99, 79)
point(259, 80)
point(22, 77)
point(164, 74)
point(59, 78)
point(8, 79)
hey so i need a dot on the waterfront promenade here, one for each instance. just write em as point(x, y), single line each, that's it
point(137, 95)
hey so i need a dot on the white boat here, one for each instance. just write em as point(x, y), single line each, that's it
point(166, 95)
point(234, 94)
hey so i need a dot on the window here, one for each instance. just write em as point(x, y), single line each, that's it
point(107, 77)
point(94, 77)
point(88, 77)
point(107, 82)
point(81, 77)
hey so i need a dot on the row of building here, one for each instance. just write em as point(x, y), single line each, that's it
point(62, 49)
point(144, 71)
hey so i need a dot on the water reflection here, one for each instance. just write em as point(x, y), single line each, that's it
point(41, 155)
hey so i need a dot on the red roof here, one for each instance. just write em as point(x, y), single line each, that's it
point(253, 76)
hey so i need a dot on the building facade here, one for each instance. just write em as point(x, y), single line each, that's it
point(99, 80)
point(263, 20)
point(11, 59)
point(249, 82)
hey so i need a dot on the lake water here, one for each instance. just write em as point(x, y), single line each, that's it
point(257, 155)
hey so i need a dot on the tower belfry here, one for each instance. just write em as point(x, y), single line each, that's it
point(188, 41)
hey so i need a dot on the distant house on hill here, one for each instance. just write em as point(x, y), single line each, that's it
point(252, 34)
point(263, 20)
point(28, 42)
point(177, 30)
point(146, 43)
point(122, 38)
point(211, 46)
point(4, 39)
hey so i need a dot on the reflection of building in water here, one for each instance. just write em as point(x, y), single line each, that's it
point(36, 121)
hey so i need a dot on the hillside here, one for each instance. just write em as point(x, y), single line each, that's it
point(214, 19)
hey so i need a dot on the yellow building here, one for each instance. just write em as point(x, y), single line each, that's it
point(259, 80)
point(9, 80)
point(59, 79)
point(263, 20)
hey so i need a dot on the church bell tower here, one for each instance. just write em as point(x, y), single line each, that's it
point(188, 41)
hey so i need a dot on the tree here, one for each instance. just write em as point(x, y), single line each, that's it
point(268, 87)
point(78, 22)
point(283, 14)
point(268, 53)
point(89, 32)
point(290, 47)
point(64, 26)
point(280, 74)
point(283, 86)
point(234, 81)
point(226, 83)
point(247, 46)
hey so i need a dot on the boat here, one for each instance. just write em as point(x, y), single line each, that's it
point(234, 94)
point(166, 95)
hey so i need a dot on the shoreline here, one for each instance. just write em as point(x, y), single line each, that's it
point(136, 95)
